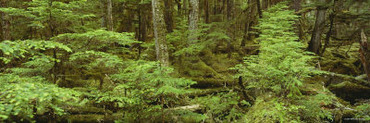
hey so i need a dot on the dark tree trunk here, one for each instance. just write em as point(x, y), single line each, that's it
point(168, 13)
point(296, 5)
point(5, 22)
point(230, 4)
point(315, 43)
point(206, 11)
point(328, 35)
point(365, 54)
point(259, 8)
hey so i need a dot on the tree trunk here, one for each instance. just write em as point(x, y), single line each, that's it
point(193, 21)
point(229, 9)
point(365, 54)
point(168, 13)
point(206, 11)
point(328, 35)
point(160, 32)
point(102, 7)
point(259, 8)
point(5, 22)
point(109, 15)
point(185, 7)
point(315, 43)
point(296, 5)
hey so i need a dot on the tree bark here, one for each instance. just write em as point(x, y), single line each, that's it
point(109, 15)
point(259, 8)
point(365, 54)
point(315, 43)
point(5, 22)
point(297, 5)
point(160, 32)
point(193, 21)
point(229, 9)
point(206, 11)
point(103, 21)
point(328, 35)
point(168, 13)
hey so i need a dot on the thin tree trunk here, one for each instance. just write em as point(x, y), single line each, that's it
point(259, 8)
point(5, 22)
point(229, 9)
point(193, 21)
point(109, 15)
point(160, 32)
point(328, 35)
point(315, 43)
point(297, 5)
point(365, 54)
point(206, 11)
point(178, 6)
point(185, 7)
point(102, 7)
point(168, 13)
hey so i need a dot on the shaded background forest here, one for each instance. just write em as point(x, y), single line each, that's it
point(184, 61)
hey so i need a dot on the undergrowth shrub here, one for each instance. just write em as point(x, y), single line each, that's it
point(147, 90)
point(222, 107)
point(23, 98)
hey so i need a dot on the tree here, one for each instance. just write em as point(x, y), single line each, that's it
point(160, 32)
point(5, 22)
point(315, 43)
point(259, 8)
point(109, 15)
point(193, 21)
point(168, 15)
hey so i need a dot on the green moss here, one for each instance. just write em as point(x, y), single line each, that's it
point(270, 109)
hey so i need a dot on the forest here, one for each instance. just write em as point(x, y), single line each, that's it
point(184, 61)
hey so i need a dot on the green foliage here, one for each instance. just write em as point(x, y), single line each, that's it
point(25, 97)
point(268, 109)
point(97, 40)
point(209, 35)
point(147, 86)
point(313, 108)
point(363, 111)
point(223, 107)
point(19, 49)
point(282, 64)
point(96, 59)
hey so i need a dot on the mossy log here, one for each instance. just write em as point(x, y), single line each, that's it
point(212, 83)
point(205, 92)
point(334, 78)
point(87, 110)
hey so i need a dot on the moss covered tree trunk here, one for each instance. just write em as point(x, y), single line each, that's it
point(193, 21)
point(109, 15)
point(160, 32)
